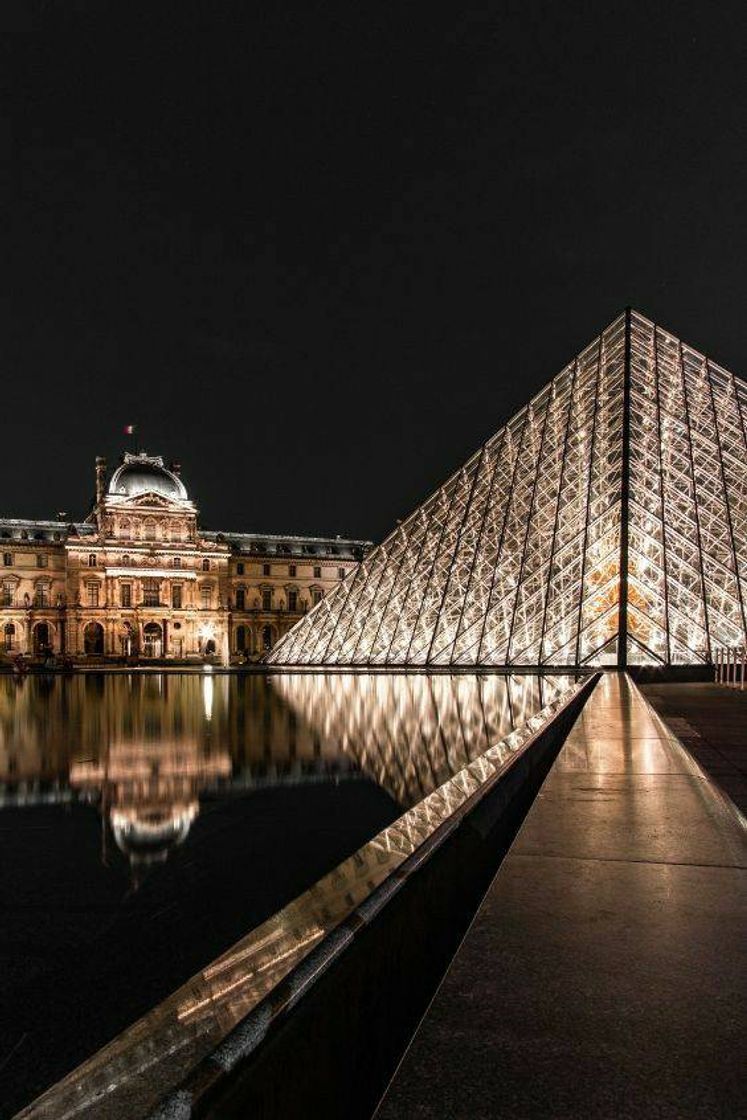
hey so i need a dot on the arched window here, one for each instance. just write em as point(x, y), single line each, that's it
point(91, 559)
point(268, 637)
point(93, 639)
point(41, 639)
point(9, 636)
point(206, 565)
point(152, 640)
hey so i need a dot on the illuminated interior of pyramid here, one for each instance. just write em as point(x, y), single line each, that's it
point(604, 524)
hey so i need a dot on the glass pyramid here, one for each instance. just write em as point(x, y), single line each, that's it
point(604, 524)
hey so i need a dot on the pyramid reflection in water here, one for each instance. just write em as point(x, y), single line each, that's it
point(606, 523)
point(410, 734)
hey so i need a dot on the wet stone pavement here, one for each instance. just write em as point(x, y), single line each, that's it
point(711, 721)
point(604, 973)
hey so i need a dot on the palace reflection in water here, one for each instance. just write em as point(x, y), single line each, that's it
point(158, 821)
point(145, 748)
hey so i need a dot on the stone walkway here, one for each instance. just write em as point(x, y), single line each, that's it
point(604, 974)
point(711, 721)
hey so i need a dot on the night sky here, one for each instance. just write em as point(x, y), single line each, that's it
point(320, 252)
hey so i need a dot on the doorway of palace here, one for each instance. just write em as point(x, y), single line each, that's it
point(9, 637)
point(93, 640)
point(152, 639)
point(40, 636)
point(210, 647)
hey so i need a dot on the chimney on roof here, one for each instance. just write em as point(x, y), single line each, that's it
point(176, 468)
point(100, 477)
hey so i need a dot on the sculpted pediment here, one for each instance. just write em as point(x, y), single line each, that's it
point(149, 501)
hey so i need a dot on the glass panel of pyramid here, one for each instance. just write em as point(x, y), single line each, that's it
point(605, 523)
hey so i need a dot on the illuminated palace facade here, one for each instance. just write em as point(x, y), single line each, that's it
point(139, 578)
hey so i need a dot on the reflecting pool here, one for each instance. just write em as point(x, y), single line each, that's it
point(149, 821)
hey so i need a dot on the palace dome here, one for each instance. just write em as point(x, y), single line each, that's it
point(148, 833)
point(146, 474)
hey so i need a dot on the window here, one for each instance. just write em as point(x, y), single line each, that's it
point(150, 593)
point(176, 596)
point(239, 569)
point(126, 561)
point(240, 598)
point(8, 594)
point(7, 559)
point(150, 530)
point(206, 565)
point(9, 632)
point(317, 596)
point(266, 598)
point(317, 572)
point(341, 573)
point(292, 600)
point(125, 594)
point(41, 595)
point(92, 560)
point(241, 638)
point(205, 596)
point(92, 590)
point(176, 562)
point(265, 569)
point(291, 569)
point(41, 560)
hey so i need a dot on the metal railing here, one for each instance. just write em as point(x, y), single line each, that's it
point(730, 663)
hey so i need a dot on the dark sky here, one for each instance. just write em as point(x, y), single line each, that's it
point(319, 252)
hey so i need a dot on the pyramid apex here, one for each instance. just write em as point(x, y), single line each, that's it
point(574, 539)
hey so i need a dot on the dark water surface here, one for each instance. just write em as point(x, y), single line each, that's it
point(149, 821)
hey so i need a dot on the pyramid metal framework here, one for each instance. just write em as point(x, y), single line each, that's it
point(410, 733)
point(606, 523)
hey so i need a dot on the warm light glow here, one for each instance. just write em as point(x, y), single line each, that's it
point(518, 559)
point(207, 693)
